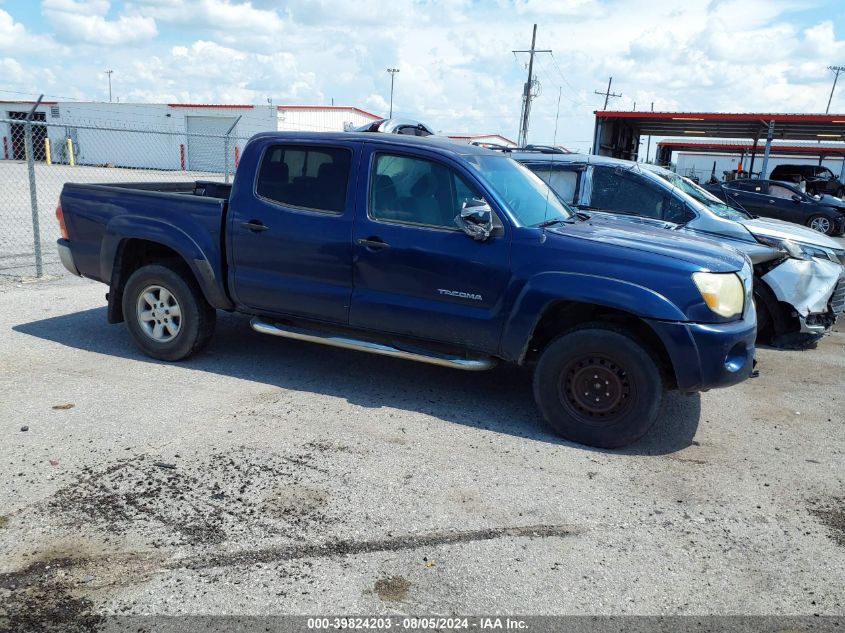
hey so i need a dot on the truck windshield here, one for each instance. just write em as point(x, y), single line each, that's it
point(704, 197)
point(527, 196)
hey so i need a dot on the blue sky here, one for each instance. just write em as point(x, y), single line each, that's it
point(457, 71)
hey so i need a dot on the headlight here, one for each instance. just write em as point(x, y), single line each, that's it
point(722, 292)
point(803, 251)
point(837, 256)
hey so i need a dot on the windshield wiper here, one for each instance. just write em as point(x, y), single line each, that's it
point(552, 222)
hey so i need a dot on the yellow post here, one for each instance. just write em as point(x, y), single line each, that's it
point(70, 159)
point(47, 151)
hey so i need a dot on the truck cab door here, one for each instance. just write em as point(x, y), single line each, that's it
point(415, 273)
point(290, 230)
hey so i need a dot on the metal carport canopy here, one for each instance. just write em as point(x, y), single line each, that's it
point(798, 127)
point(735, 147)
point(617, 133)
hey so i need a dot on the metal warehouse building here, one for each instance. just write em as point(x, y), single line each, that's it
point(170, 136)
point(160, 136)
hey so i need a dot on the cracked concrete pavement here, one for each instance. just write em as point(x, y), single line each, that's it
point(270, 476)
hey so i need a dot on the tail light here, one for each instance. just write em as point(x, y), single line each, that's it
point(60, 216)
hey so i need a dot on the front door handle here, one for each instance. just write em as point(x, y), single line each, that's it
point(256, 226)
point(373, 243)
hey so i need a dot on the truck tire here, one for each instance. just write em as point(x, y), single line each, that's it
point(166, 312)
point(598, 386)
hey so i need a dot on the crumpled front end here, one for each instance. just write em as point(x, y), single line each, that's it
point(813, 287)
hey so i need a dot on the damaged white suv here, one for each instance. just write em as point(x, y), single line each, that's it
point(799, 283)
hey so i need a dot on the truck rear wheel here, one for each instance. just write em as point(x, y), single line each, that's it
point(598, 386)
point(166, 312)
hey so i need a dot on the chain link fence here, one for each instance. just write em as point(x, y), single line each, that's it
point(38, 158)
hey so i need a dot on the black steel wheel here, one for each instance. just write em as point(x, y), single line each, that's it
point(597, 385)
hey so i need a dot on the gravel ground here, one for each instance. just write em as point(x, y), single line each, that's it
point(269, 476)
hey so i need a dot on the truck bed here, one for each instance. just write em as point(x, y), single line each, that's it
point(187, 217)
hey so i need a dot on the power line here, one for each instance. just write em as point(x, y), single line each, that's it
point(578, 102)
point(607, 94)
point(530, 85)
point(563, 77)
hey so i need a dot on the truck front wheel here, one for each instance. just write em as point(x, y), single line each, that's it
point(598, 386)
point(166, 312)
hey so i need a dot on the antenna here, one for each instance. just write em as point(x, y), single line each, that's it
point(549, 177)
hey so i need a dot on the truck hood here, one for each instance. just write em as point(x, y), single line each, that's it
point(743, 242)
point(620, 231)
point(789, 231)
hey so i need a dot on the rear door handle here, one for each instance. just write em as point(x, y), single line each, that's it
point(373, 243)
point(256, 226)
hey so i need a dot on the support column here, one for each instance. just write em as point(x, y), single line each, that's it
point(765, 169)
point(597, 137)
point(33, 195)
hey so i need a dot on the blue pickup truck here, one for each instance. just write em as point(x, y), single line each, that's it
point(427, 250)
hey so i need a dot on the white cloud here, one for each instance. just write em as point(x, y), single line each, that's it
point(240, 20)
point(11, 70)
point(15, 39)
point(86, 21)
point(457, 69)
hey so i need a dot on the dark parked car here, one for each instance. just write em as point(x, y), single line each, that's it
point(819, 179)
point(783, 201)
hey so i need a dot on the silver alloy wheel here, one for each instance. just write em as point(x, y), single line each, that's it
point(159, 314)
point(820, 224)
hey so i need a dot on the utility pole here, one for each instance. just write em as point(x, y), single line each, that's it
point(837, 70)
point(527, 94)
point(392, 72)
point(607, 94)
point(109, 72)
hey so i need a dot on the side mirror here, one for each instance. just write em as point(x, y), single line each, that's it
point(796, 197)
point(476, 219)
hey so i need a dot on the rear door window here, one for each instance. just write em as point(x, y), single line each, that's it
point(779, 191)
point(621, 192)
point(313, 178)
point(564, 182)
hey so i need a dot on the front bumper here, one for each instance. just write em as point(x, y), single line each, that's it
point(709, 355)
point(812, 287)
point(66, 257)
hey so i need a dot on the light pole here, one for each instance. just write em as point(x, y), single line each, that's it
point(392, 72)
point(109, 72)
point(837, 70)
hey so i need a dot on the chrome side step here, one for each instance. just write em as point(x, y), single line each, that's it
point(335, 340)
